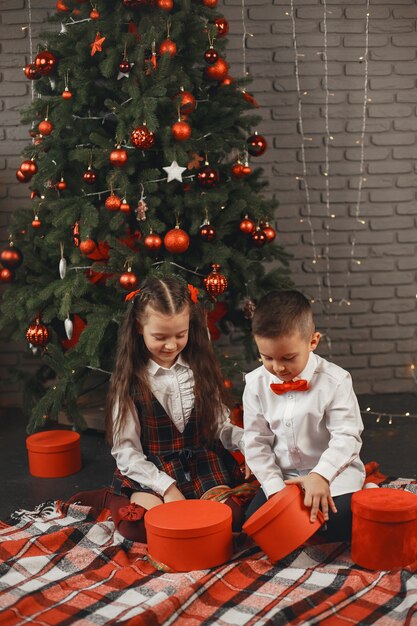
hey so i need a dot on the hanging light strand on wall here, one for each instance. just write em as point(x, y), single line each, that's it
point(302, 150)
point(29, 30)
point(361, 141)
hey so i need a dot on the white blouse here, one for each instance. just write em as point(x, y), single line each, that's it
point(174, 388)
point(301, 432)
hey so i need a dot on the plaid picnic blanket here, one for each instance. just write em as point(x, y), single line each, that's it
point(66, 564)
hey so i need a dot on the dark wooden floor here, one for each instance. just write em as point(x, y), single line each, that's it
point(393, 446)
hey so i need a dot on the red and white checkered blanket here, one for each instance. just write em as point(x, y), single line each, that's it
point(66, 565)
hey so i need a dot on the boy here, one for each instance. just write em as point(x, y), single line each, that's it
point(301, 417)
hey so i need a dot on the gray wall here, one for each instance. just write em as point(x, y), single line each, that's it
point(371, 265)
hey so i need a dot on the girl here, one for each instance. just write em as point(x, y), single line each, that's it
point(166, 419)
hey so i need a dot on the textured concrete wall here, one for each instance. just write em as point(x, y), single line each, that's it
point(353, 248)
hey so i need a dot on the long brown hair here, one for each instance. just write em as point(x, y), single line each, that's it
point(168, 296)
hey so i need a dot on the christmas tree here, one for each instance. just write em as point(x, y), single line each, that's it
point(142, 160)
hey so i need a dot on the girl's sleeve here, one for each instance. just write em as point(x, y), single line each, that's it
point(230, 435)
point(132, 462)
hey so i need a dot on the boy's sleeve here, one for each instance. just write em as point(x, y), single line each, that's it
point(259, 445)
point(344, 423)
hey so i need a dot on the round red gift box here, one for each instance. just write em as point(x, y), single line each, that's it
point(54, 453)
point(384, 528)
point(189, 534)
point(282, 524)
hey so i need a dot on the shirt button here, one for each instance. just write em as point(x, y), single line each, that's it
point(290, 396)
point(287, 424)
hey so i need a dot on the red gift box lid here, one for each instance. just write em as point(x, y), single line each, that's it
point(385, 505)
point(276, 505)
point(52, 441)
point(188, 518)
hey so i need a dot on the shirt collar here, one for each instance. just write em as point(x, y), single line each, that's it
point(154, 368)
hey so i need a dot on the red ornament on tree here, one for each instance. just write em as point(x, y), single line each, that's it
point(176, 240)
point(227, 80)
point(152, 241)
point(128, 279)
point(215, 283)
point(210, 3)
point(61, 185)
point(208, 177)
point(186, 102)
point(181, 131)
point(256, 144)
point(36, 223)
point(237, 170)
point(259, 237)
point(218, 71)
point(113, 202)
point(87, 246)
point(60, 6)
point(21, 177)
point(37, 334)
point(46, 127)
point(118, 157)
point(165, 5)
point(142, 138)
point(90, 176)
point(222, 26)
point(32, 72)
point(94, 14)
point(211, 55)
point(124, 66)
point(124, 206)
point(269, 232)
point(247, 226)
point(6, 275)
point(28, 168)
point(11, 257)
point(207, 232)
point(45, 62)
point(168, 47)
point(66, 94)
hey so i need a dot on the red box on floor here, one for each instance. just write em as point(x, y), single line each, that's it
point(282, 524)
point(54, 453)
point(190, 534)
point(384, 528)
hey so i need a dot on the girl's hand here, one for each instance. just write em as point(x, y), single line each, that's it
point(173, 494)
point(316, 494)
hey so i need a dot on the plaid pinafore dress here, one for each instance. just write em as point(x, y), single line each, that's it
point(195, 467)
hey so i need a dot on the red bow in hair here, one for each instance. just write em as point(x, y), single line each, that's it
point(193, 292)
point(293, 385)
point(131, 295)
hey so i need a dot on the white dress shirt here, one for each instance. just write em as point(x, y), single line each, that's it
point(300, 432)
point(174, 388)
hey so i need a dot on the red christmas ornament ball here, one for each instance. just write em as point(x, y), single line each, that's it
point(227, 80)
point(124, 66)
point(176, 240)
point(113, 202)
point(6, 275)
point(32, 72)
point(61, 185)
point(36, 223)
point(256, 144)
point(11, 258)
point(37, 334)
point(217, 71)
point(247, 226)
point(60, 6)
point(142, 138)
point(87, 246)
point(259, 237)
point(128, 280)
point(222, 26)
point(165, 5)
point(28, 168)
point(124, 207)
point(207, 232)
point(181, 131)
point(237, 170)
point(208, 177)
point(210, 56)
point(152, 241)
point(21, 177)
point(168, 47)
point(269, 232)
point(90, 176)
point(46, 127)
point(210, 3)
point(215, 283)
point(66, 94)
point(45, 62)
point(94, 14)
point(187, 102)
point(118, 157)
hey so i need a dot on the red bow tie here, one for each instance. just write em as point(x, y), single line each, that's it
point(293, 385)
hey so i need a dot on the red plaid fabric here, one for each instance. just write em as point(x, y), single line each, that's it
point(195, 467)
point(61, 564)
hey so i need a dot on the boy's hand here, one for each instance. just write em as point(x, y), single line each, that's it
point(173, 494)
point(316, 494)
point(246, 471)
